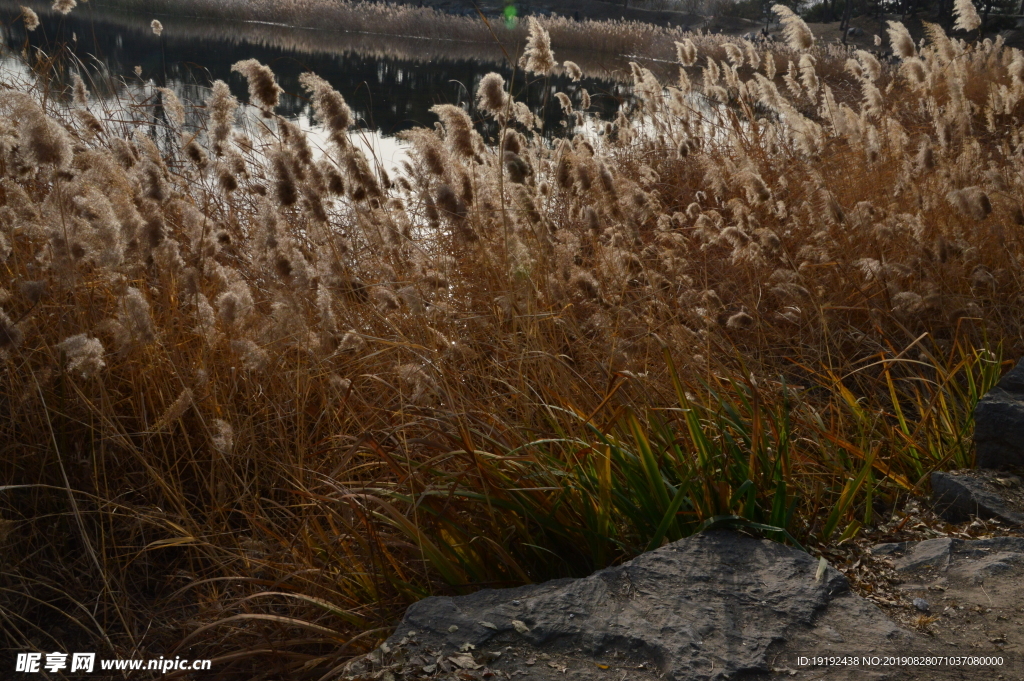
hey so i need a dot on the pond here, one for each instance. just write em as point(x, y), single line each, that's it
point(390, 82)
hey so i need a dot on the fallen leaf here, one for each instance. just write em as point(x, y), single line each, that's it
point(822, 566)
point(465, 661)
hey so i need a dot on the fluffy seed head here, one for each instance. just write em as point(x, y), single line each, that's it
point(972, 201)
point(458, 127)
point(1016, 67)
point(872, 68)
point(223, 437)
point(134, 316)
point(740, 320)
point(906, 303)
point(173, 106)
point(263, 88)
point(808, 75)
point(222, 105)
point(794, 30)
point(967, 18)
point(157, 27)
point(44, 141)
point(338, 384)
point(491, 95)
point(902, 43)
point(64, 6)
point(254, 358)
point(757, 190)
point(30, 18)
point(518, 170)
point(573, 70)
point(235, 304)
point(81, 94)
point(686, 52)
point(734, 54)
point(284, 179)
point(328, 104)
point(84, 355)
point(586, 283)
point(450, 203)
point(564, 102)
point(352, 341)
point(537, 57)
point(915, 72)
point(415, 378)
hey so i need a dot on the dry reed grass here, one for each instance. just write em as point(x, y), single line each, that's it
point(262, 396)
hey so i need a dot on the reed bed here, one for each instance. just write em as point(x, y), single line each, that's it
point(576, 39)
point(262, 396)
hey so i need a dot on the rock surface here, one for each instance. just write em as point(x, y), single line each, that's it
point(961, 494)
point(711, 607)
point(999, 423)
point(717, 602)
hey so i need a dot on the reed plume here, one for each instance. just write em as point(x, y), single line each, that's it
point(84, 355)
point(264, 91)
point(967, 18)
point(796, 33)
point(902, 43)
point(30, 18)
point(537, 57)
point(490, 94)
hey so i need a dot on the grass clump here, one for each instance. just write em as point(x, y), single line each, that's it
point(262, 395)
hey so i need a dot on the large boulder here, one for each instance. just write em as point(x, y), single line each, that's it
point(959, 495)
point(999, 423)
point(718, 605)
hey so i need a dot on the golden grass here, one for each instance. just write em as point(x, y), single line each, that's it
point(262, 396)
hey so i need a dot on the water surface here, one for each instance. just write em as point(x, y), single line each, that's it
point(389, 88)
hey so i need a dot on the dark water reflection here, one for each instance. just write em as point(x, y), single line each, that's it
point(389, 89)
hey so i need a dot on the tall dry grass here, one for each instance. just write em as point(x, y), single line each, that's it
point(261, 396)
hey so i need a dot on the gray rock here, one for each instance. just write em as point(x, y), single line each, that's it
point(922, 605)
point(999, 423)
point(715, 606)
point(716, 597)
point(964, 557)
point(931, 553)
point(890, 549)
point(958, 496)
point(854, 32)
point(990, 566)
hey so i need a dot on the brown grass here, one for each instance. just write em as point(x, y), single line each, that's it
point(263, 396)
